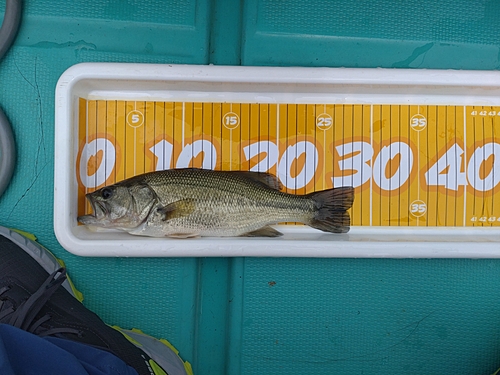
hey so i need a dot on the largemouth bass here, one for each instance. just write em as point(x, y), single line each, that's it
point(198, 202)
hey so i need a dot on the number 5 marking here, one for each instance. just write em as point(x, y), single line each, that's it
point(135, 118)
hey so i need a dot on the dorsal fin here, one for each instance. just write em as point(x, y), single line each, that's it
point(265, 178)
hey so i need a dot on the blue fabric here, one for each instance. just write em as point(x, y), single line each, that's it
point(22, 353)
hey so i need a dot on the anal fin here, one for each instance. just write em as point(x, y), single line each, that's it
point(263, 232)
point(183, 235)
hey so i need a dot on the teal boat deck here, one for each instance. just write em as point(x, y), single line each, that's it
point(262, 315)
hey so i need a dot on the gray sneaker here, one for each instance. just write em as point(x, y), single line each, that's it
point(31, 299)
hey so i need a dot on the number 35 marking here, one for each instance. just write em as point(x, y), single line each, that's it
point(418, 208)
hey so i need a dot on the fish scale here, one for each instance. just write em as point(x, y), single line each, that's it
point(227, 202)
point(197, 202)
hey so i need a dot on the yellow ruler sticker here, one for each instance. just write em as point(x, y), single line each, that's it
point(411, 165)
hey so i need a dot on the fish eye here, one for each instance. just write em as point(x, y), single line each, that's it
point(106, 193)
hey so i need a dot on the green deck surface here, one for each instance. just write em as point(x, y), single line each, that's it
point(262, 315)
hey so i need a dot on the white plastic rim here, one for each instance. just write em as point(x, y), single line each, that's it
point(252, 85)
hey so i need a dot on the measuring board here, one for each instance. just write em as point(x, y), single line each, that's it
point(421, 149)
point(411, 165)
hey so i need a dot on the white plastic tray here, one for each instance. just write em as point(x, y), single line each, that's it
point(134, 82)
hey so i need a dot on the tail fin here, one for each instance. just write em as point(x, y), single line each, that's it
point(332, 205)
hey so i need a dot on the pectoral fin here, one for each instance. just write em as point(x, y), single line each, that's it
point(263, 232)
point(176, 209)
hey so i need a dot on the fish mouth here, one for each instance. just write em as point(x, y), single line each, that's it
point(99, 208)
point(100, 213)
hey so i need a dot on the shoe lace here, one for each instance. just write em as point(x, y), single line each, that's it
point(24, 315)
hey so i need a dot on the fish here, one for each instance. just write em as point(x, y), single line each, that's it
point(192, 202)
